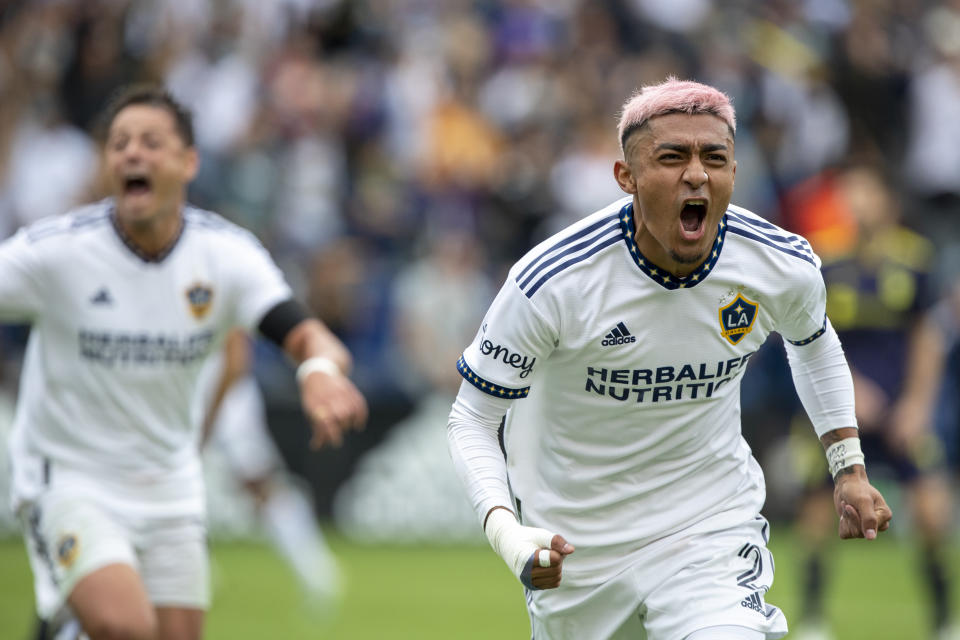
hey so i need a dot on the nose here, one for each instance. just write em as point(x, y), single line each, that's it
point(132, 150)
point(695, 175)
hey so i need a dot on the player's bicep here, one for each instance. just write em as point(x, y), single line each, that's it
point(514, 338)
point(805, 318)
point(258, 284)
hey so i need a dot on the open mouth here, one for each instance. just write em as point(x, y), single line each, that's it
point(692, 215)
point(136, 185)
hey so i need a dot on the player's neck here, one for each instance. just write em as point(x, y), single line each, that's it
point(674, 268)
point(151, 236)
point(653, 252)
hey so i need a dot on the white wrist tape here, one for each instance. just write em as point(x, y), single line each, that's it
point(317, 363)
point(843, 454)
point(514, 542)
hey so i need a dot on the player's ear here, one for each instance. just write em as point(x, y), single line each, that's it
point(191, 163)
point(624, 175)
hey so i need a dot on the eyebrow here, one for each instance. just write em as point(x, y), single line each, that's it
point(123, 132)
point(685, 148)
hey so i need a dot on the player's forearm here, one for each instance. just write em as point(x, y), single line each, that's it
point(210, 417)
point(925, 360)
point(475, 449)
point(312, 339)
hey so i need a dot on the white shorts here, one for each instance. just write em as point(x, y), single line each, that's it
point(682, 585)
point(71, 534)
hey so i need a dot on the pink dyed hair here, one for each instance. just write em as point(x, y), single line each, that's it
point(673, 96)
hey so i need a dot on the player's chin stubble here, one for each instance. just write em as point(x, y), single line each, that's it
point(689, 259)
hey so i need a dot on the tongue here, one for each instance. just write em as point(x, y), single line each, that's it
point(690, 219)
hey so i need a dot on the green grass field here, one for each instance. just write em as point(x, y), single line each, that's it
point(464, 593)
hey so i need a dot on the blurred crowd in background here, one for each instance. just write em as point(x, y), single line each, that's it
point(397, 156)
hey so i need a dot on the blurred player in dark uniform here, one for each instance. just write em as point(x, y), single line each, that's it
point(946, 320)
point(879, 290)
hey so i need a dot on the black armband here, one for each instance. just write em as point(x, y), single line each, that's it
point(280, 321)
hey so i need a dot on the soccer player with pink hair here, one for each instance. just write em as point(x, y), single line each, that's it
point(597, 428)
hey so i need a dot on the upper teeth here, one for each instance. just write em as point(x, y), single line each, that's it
point(697, 201)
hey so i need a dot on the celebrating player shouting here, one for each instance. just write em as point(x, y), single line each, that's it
point(615, 351)
point(127, 298)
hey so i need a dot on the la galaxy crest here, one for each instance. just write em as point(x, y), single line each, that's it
point(737, 318)
point(200, 297)
point(67, 548)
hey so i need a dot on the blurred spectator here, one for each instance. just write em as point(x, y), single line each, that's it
point(98, 62)
point(350, 291)
point(580, 178)
point(439, 300)
point(933, 158)
point(933, 162)
point(870, 70)
point(52, 164)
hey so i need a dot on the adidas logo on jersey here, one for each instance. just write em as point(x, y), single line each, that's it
point(619, 335)
point(753, 601)
point(101, 297)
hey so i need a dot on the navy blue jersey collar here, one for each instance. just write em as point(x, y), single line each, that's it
point(663, 278)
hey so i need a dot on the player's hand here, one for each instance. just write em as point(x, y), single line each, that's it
point(863, 511)
point(534, 555)
point(333, 405)
point(537, 576)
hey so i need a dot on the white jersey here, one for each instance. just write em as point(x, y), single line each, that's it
point(628, 423)
point(116, 345)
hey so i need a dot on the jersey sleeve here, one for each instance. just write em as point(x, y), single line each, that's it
point(258, 285)
point(21, 278)
point(514, 338)
point(823, 382)
point(805, 319)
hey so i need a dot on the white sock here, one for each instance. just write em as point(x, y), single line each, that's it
point(292, 528)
